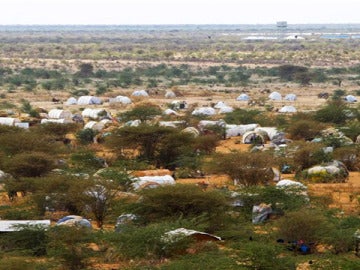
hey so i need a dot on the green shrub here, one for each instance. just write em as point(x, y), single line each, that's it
point(182, 201)
point(305, 129)
point(29, 240)
point(86, 136)
point(215, 260)
point(68, 245)
point(255, 167)
point(29, 164)
point(307, 225)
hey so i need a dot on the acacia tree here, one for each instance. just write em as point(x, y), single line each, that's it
point(247, 169)
point(141, 112)
point(144, 138)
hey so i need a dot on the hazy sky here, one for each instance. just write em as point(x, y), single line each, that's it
point(178, 11)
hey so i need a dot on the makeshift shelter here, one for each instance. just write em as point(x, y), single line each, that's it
point(74, 221)
point(192, 131)
point(57, 121)
point(226, 109)
point(9, 121)
point(204, 111)
point(24, 125)
point(59, 114)
point(180, 233)
point(243, 97)
point(133, 123)
point(267, 132)
point(238, 130)
point(290, 97)
point(251, 137)
point(170, 94)
point(261, 212)
point(350, 98)
point(173, 124)
point(152, 181)
point(120, 99)
point(16, 225)
point(89, 100)
point(275, 96)
point(71, 101)
point(288, 109)
point(140, 93)
point(124, 220)
point(170, 112)
point(289, 183)
point(94, 113)
point(220, 104)
point(98, 126)
point(335, 170)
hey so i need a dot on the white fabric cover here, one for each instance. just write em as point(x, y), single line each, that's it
point(88, 100)
point(153, 181)
point(170, 94)
point(98, 126)
point(239, 130)
point(226, 109)
point(71, 101)
point(204, 111)
point(59, 114)
point(290, 97)
point(290, 183)
point(121, 99)
point(170, 112)
point(275, 96)
point(92, 113)
point(220, 104)
point(350, 98)
point(9, 121)
point(140, 93)
point(243, 97)
point(288, 109)
point(58, 121)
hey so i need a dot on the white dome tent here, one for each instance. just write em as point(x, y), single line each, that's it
point(170, 112)
point(290, 97)
point(89, 100)
point(9, 121)
point(140, 93)
point(94, 113)
point(243, 97)
point(239, 130)
point(220, 104)
point(170, 94)
point(98, 126)
point(226, 109)
point(350, 98)
point(204, 111)
point(71, 101)
point(121, 99)
point(288, 109)
point(275, 96)
point(153, 181)
point(59, 114)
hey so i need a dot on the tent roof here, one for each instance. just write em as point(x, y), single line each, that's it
point(288, 109)
point(174, 235)
point(275, 96)
point(13, 225)
point(243, 97)
point(140, 93)
point(204, 111)
point(88, 100)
